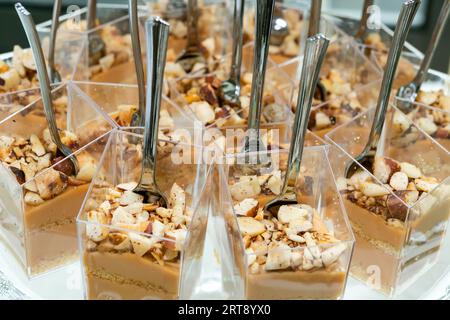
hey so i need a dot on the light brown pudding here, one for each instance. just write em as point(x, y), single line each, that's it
point(394, 235)
point(132, 248)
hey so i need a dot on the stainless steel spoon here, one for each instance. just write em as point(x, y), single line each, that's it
point(408, 93)
point(315, 51)
point(97, 47)
point(280, 29)
point(191, 54)
point(361, 34)
point(139, 116)
point(44, 83)
point(366, 158)
point(253, 143)
point(230, 89)
point(54, 74)
point(314, 29)
point(157, 32)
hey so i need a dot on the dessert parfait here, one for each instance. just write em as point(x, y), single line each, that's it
point(296, 251)
point(398, 207)
point(131, 247)
point(40, 191)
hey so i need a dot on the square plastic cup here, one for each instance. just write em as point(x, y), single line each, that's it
point(295, 277)
point(342, 109)
point(214, 28)
point(39, 197)
point(345, 69)
point(296, 16)
point(186, 93)
point(398, 231)
point(431, 112)
point(114, 269)
point(120, 101)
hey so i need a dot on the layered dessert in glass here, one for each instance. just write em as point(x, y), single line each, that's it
point(399, 206)
point(40, 192)
point(296, 251)
point(132, 249)
point(431, 110)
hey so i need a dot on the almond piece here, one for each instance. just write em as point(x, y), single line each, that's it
point(164, 212)
point(331, 255)
point(129, 186)
point(251, 227)
point(399, 181)
point(129, 197)
point(122, 216)
point(288, 213)
point(120, 241)
point(359, 177)
point(278, 258)
point(140, 243)
point(203, 111)
point(158, 228)
point(322, 120)
point(274, 183)
point(426, 184)
point(33, 199)
point(427, 125)
point(51, 183)
point(36, 145)
point(96, 232)
point(384, 168)
point(400, 122)
point(247, 207)
point(245, 189)
point(300, 225)
point(373, 189)
point(411, 170)
point(177, 200)
point(177, 238)
point(87, 172)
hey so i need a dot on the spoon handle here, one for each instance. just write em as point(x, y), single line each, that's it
point(236, 58)
point(264, 13)
point(137, 56)
point(91, 14)
point(432, 45)
point(314, 18)
point(360, 34)
point(53, 32)
point(44, 83)
point(157, 32)
point(192, 22)
point(315, 51)
point(407, 13)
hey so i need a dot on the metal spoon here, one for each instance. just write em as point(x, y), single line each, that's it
point(280, 29)
point(253, 143)
point(97, 47)
point(315, 50)
point(191, 54)
point(313, 29)
point(230, 90)
point(176, 9)
point(157, 31)
point(408, 93)
point(44, 83)
point(366, 158)
point(361, 34)
point(138, 117)
point(54, 74)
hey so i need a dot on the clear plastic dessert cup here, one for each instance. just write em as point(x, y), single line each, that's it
point(342, 109)
point(40, 194)
point(138, 253)
point(431, 111)
point(302, 255)
point(399, 208)
point(120, 101)
point(200, 96)
point(345, 69)
point(296, 16)
point(71, 47)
